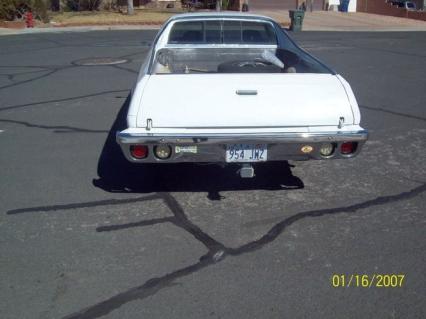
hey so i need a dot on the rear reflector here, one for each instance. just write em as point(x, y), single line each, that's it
point(139, 151)
point(348, 148)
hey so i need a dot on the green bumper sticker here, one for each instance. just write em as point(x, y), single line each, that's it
point(186, 149)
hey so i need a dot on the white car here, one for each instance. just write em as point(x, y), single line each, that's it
point(235, 88)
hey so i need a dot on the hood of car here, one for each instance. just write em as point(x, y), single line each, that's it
point(243, 100)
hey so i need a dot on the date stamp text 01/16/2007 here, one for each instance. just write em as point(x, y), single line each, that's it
point(367, 281)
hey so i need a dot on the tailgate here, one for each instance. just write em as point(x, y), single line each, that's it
point(211, 100)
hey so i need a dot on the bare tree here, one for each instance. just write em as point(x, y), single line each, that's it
point(130, 10)
point(218, 5)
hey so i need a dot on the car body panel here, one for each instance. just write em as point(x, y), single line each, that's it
point(278, 100)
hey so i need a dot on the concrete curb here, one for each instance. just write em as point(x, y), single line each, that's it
point(6, 31)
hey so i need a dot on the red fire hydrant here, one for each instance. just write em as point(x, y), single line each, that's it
point(29, 19)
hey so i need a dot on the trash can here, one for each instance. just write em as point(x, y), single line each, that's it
point(296, 17)
point(344, 5)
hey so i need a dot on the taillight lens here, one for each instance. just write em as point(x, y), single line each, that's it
point(163, 151)
point(348, 148)
point(139, 151)
point(327, 149)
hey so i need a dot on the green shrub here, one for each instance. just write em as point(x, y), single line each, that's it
point(15, 9)
point(6, 9)
point(73, 5)
point(39, 7)
point(80, 5)
point(12, 9)
point(225, 4)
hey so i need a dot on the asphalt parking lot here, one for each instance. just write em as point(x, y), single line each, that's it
point(85, 235)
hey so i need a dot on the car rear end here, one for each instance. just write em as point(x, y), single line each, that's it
point(215, 93)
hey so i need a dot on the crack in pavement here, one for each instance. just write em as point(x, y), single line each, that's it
point(49, 71)
point(107, 202)
point(56, 129)
point(389, 51)
point(217, 251)
point(61, 100)
point(11, 76)
point(379, 109)
point(29, 80)
point(142, 45)
point(118, 67)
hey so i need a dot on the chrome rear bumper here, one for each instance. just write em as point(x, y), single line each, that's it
point(211, 147)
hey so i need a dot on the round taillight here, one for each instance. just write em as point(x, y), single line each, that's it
point(163, 151)
point(348, 148)
point(139, 151)
point(327, 149)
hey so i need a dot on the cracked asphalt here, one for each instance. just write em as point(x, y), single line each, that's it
point(83, 234)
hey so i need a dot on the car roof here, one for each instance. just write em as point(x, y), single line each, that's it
point(219, 15)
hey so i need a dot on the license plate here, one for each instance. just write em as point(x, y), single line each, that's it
point(246, 153)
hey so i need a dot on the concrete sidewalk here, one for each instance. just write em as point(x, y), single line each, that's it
point(314, 21)
point(352, 21)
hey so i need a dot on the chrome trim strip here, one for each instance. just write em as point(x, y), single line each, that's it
point(270, 138)
point(246, 92)
point(219, 46)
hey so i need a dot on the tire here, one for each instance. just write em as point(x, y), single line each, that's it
point(254, 66)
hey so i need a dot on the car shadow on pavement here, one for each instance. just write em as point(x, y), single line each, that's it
point(116, 174)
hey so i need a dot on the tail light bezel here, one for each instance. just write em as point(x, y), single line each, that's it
point(143, 148)
point(353, 148)
point(170, 149)
point(332, 154)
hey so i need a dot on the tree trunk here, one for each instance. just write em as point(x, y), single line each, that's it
point(218, 5)
point(130, 10)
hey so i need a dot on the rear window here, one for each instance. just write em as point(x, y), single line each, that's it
point(222, 32)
